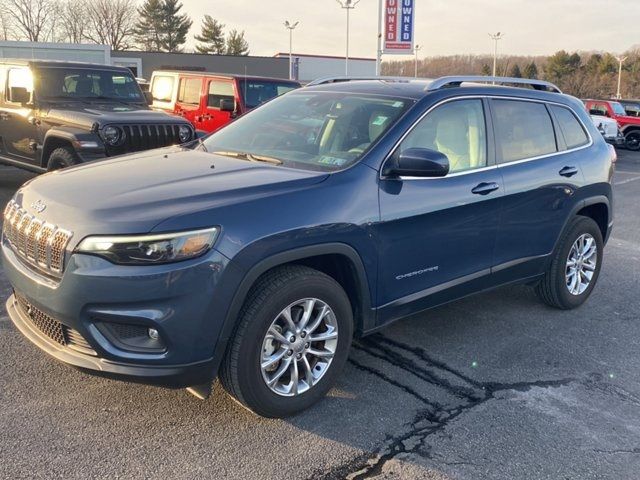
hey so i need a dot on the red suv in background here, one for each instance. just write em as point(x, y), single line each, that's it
point(211, 100)
point(630, 126)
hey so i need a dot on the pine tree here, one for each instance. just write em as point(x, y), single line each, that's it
point(236, 44)
point(175, 26)
point(486, 70)
point(161, 28)
point(211, 37)
point(148, 30)
point(515, 71)
point(531, 71)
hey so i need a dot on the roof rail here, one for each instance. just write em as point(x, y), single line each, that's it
point(326, 80)
point(456, 81)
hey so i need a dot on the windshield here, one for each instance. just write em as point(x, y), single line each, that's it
point(255, 92)
point(323, 131)
point(618, 109)
point(82, 83)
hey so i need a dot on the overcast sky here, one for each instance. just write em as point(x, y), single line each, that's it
point(443, 26)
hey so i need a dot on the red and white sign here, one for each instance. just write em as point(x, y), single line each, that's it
point(398, 27)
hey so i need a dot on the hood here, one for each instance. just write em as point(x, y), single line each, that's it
point(134, 193)
point(85, 115)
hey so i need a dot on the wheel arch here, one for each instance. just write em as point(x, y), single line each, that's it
point(52, 142)
point(338, 260)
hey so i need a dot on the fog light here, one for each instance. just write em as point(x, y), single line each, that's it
point(153, 334)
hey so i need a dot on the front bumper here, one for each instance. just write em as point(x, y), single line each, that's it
point(177, 300)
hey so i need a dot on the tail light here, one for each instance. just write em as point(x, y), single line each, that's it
point(613, 154)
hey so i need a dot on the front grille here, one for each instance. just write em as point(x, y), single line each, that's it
point(41, 244)
point(51, 328)
point(145, 137)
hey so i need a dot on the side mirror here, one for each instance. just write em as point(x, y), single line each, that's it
point(418, 162)
point(148, 97)
point(19, 95)
point(227, 105)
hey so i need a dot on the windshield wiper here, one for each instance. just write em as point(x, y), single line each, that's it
point(251, 157)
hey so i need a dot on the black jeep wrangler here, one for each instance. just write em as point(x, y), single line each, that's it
point(57, 114)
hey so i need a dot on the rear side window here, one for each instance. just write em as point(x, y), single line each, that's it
point(523, 130)
point(219, 90)
point(574, 134)
point(189, 91)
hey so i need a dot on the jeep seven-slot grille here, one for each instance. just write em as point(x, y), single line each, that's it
point(145, 137)
point(39, 244)
point(51, 328)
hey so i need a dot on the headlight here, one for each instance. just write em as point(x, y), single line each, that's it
point(184, 133)
point(152, 249)
point(112, 135)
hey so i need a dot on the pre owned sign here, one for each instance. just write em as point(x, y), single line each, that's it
point(398, 26)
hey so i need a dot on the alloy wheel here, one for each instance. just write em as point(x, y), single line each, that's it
point(581, 264)
point(299, 347)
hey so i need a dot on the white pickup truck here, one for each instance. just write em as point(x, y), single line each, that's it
point(609, 129)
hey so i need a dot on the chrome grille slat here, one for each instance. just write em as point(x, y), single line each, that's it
point(41, 245)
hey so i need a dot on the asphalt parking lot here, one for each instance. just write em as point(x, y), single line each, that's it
point(496, 386)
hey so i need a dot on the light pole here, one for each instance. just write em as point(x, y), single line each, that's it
point(620, 62)
point(347, 5)
point(495, 38)
point(291, 27)
point(417, 48)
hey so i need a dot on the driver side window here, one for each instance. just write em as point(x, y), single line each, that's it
point(456, 129)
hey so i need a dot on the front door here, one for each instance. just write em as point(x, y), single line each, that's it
point(217, 90)
point(437, 234)
point(18, 130)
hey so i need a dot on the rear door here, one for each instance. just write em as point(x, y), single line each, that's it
point(189, 97)
point(217, 90)
point(541, 172)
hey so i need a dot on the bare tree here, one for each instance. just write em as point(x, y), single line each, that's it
point(31, 19)
point(73, 20)
point(111, 22)
point(6, 32)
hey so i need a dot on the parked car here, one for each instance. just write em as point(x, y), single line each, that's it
point(260, 252)
point(211, 100)
point(57, 114)
point(630, 126)
point(632, 107)
point(609, 130)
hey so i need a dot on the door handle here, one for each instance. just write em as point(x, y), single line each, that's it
point(485, 188)
point(568, 171)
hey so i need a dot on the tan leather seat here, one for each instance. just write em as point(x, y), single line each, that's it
point(452, 139)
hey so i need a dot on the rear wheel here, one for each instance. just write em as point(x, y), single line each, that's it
point(632, 140)
point(575, 268)
point(291, 343)
point(61, 158)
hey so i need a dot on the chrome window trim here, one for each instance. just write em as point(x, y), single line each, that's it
point(488, 167)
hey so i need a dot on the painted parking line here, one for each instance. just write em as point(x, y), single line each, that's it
point(628, 180)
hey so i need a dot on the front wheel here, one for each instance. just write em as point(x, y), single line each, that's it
point(62, 157)
point(291, 342)
point(632, 140)
point(575, 267)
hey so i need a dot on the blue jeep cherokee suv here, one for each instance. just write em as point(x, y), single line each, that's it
point(258, 253)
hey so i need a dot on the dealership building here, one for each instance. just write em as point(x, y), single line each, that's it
point(143, 64)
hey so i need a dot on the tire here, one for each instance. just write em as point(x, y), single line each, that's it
point(555, 287)
point(241, 372)
point(62, 157)
point(632, 140)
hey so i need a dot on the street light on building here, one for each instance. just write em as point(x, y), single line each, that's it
point(620, 62)
point(416, 49)
point(347, 5)
point(291, 27)
point(495, 38)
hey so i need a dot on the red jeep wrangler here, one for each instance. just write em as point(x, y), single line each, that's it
point(630, 126)
point(210, 100)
